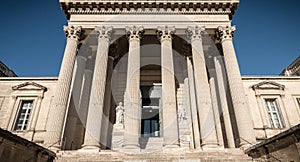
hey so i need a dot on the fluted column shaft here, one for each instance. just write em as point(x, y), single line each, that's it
point(84, 102)
point(241, 109)
point(96, 104)
point(169, 112)
point(206, 115)
point(57, 112)
point(220, 73)
point(214, 99)
point(132, 94)
point(194, 111)
point(107, 102)
point(71, 134)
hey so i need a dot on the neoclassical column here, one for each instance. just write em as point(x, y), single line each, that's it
point(220, 74)
point(193, 103)
point(169, 110)
point(215, 105)
point(96, 104)
point(85, 98)
point(132, 93)
point(107, 102)
point(58, 109)
point(241, 108)
point(205, 110)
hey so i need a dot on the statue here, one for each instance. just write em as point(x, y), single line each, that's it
point(181, 114)
point(119, 114)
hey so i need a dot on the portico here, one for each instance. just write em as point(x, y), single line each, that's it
point(164, 74)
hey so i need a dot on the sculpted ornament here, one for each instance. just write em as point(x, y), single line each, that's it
point(224, 33)
point(73, 32)
point(134, 32)
point(165, 32)
point(104, 32)
point(194, 32)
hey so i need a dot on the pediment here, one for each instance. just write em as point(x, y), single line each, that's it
point(268, 85)
point(29, 86)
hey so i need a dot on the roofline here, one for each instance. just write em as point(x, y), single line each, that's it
point(27, 78)
point(70, 7)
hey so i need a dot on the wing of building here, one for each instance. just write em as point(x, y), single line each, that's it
point(149, 80)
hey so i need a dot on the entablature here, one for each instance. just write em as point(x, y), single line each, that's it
point(225, 7)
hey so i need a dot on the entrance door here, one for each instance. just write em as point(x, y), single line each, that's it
point(150, 126)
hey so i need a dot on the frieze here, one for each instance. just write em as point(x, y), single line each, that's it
point(149, 7)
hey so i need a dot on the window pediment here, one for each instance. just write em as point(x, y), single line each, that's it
point(29, 86)
point(268, 85)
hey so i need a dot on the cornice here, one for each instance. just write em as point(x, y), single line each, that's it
point(226, 7)
point(20, 86)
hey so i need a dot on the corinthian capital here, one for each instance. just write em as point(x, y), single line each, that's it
point(104, 32)
point(73, 32)
point(134, 32)
point(194, 32)
point(224, 33)
point(165, 32)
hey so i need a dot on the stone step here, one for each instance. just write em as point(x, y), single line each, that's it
point(226, 155)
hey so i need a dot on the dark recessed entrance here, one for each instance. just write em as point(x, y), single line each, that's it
point(150, 123)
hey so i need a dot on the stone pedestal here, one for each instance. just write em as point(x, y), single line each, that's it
point(117, 137)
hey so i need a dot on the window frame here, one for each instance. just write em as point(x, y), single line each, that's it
point(274, 114)
point(17, 100)
point(27, 115)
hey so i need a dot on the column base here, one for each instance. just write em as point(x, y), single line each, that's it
point(89, 149)
point(130, 149)
point(171, 147)
point(211, 147)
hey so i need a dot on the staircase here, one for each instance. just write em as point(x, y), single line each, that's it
point(226, 155)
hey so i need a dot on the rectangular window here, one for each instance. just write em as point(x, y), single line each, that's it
point(274, 113)
point(23, 115)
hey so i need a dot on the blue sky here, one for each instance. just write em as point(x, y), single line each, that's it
point(32, 40)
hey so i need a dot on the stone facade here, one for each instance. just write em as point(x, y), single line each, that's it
point(173, 70)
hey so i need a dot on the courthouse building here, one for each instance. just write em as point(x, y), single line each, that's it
point(149, 81)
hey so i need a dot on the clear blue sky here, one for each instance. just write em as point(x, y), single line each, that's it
point(32, 40)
